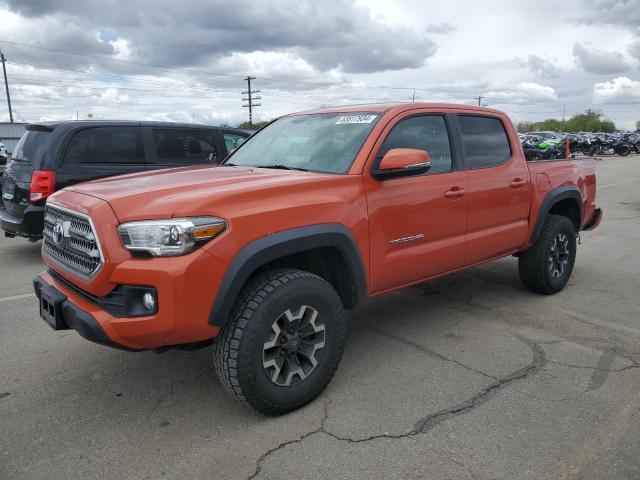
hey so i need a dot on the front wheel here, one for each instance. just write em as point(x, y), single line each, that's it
point(283, 342)
point(547, 265)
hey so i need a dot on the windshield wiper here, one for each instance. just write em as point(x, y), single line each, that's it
point(279, 166)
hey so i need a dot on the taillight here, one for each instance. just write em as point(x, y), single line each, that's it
point(43, 184)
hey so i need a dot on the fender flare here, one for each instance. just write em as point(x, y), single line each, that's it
point(554, 196)
point(281, 244)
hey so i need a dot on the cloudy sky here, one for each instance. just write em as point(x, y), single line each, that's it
point(185, 60)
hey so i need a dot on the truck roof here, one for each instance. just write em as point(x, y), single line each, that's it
point(117, 123)
point(399, 107)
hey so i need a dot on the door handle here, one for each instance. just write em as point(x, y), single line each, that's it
point(455, 192)
point(517, 183)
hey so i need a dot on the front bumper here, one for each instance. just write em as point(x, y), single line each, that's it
point(73, 317)
point(185, 289)
point(30, 225)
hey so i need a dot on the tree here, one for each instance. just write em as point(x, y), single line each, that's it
point(525, 127)
point(587, 121)
point(253, 126)
point(638, 126)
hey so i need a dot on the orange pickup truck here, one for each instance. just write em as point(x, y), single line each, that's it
point(262, 255)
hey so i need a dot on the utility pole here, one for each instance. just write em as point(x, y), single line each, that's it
point(6, 85)
point(564, 108)
point(413, 98)
point(479, 97)
point(250, 98)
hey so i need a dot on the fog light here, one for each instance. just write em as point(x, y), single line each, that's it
point(149, 301)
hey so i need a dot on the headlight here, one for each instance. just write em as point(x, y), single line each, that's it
point(171, 237)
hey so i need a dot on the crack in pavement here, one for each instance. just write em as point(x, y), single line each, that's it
point(269, 452)
point(430, 352)
point(428, 422)
point(586, 367)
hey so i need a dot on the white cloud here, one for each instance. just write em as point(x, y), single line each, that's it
point(618, 90)
point(523, 93)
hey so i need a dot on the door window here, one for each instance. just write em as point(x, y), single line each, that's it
point(424, 132)
point(484, 141)
point(185, 147)
point(232, 140)
point(106, 145)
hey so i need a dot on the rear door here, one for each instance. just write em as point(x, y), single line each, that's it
point(98, 152)
point(499, 188)
point(179, 147)
point(417, 224)
point(27, 156)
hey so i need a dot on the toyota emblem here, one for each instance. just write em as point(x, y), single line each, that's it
point(58, 233)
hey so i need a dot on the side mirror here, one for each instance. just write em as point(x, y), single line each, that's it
point(402, 162)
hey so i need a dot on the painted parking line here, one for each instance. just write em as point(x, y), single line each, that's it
point(17, 297)
point(619, 183)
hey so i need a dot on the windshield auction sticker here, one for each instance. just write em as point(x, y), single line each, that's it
point(347, 119)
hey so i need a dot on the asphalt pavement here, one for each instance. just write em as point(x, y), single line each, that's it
point(466, 377)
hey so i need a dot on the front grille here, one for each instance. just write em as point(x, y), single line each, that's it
point(70, 241)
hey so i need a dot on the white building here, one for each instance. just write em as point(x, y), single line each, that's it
point(10, 133)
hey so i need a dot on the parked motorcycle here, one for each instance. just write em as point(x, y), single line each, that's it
point(604, 144)
point(537, 148)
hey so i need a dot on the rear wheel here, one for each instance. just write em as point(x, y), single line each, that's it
point(546, 267)
point(283, 343)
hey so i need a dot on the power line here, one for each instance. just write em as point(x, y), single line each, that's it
point(179, 86)
point(131, 62)
point(145, 85)
point(208, 72)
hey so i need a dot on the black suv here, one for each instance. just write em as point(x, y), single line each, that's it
point(51, 156)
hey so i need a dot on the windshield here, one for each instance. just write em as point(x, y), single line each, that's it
point(31, 147)
point(327, 142)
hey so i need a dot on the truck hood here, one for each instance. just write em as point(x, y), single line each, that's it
point(190, 190)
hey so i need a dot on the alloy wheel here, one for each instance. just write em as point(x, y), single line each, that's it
point(294, 346)
point(558, 255)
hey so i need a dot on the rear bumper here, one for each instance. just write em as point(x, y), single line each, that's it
point(30, 225)
point(594, 221)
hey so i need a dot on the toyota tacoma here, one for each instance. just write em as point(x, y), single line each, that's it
point(263, 255)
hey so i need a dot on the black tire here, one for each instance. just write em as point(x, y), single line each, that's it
point(239, 349)
point(539, 267)
point(623, 151)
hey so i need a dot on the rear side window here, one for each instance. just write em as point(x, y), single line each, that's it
point(106, 145)
point(232, 140)
point(185, 147)
point(424, 132)
point(484, 141)
point(32, 147)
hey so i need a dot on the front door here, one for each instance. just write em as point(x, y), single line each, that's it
point(417, 224)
